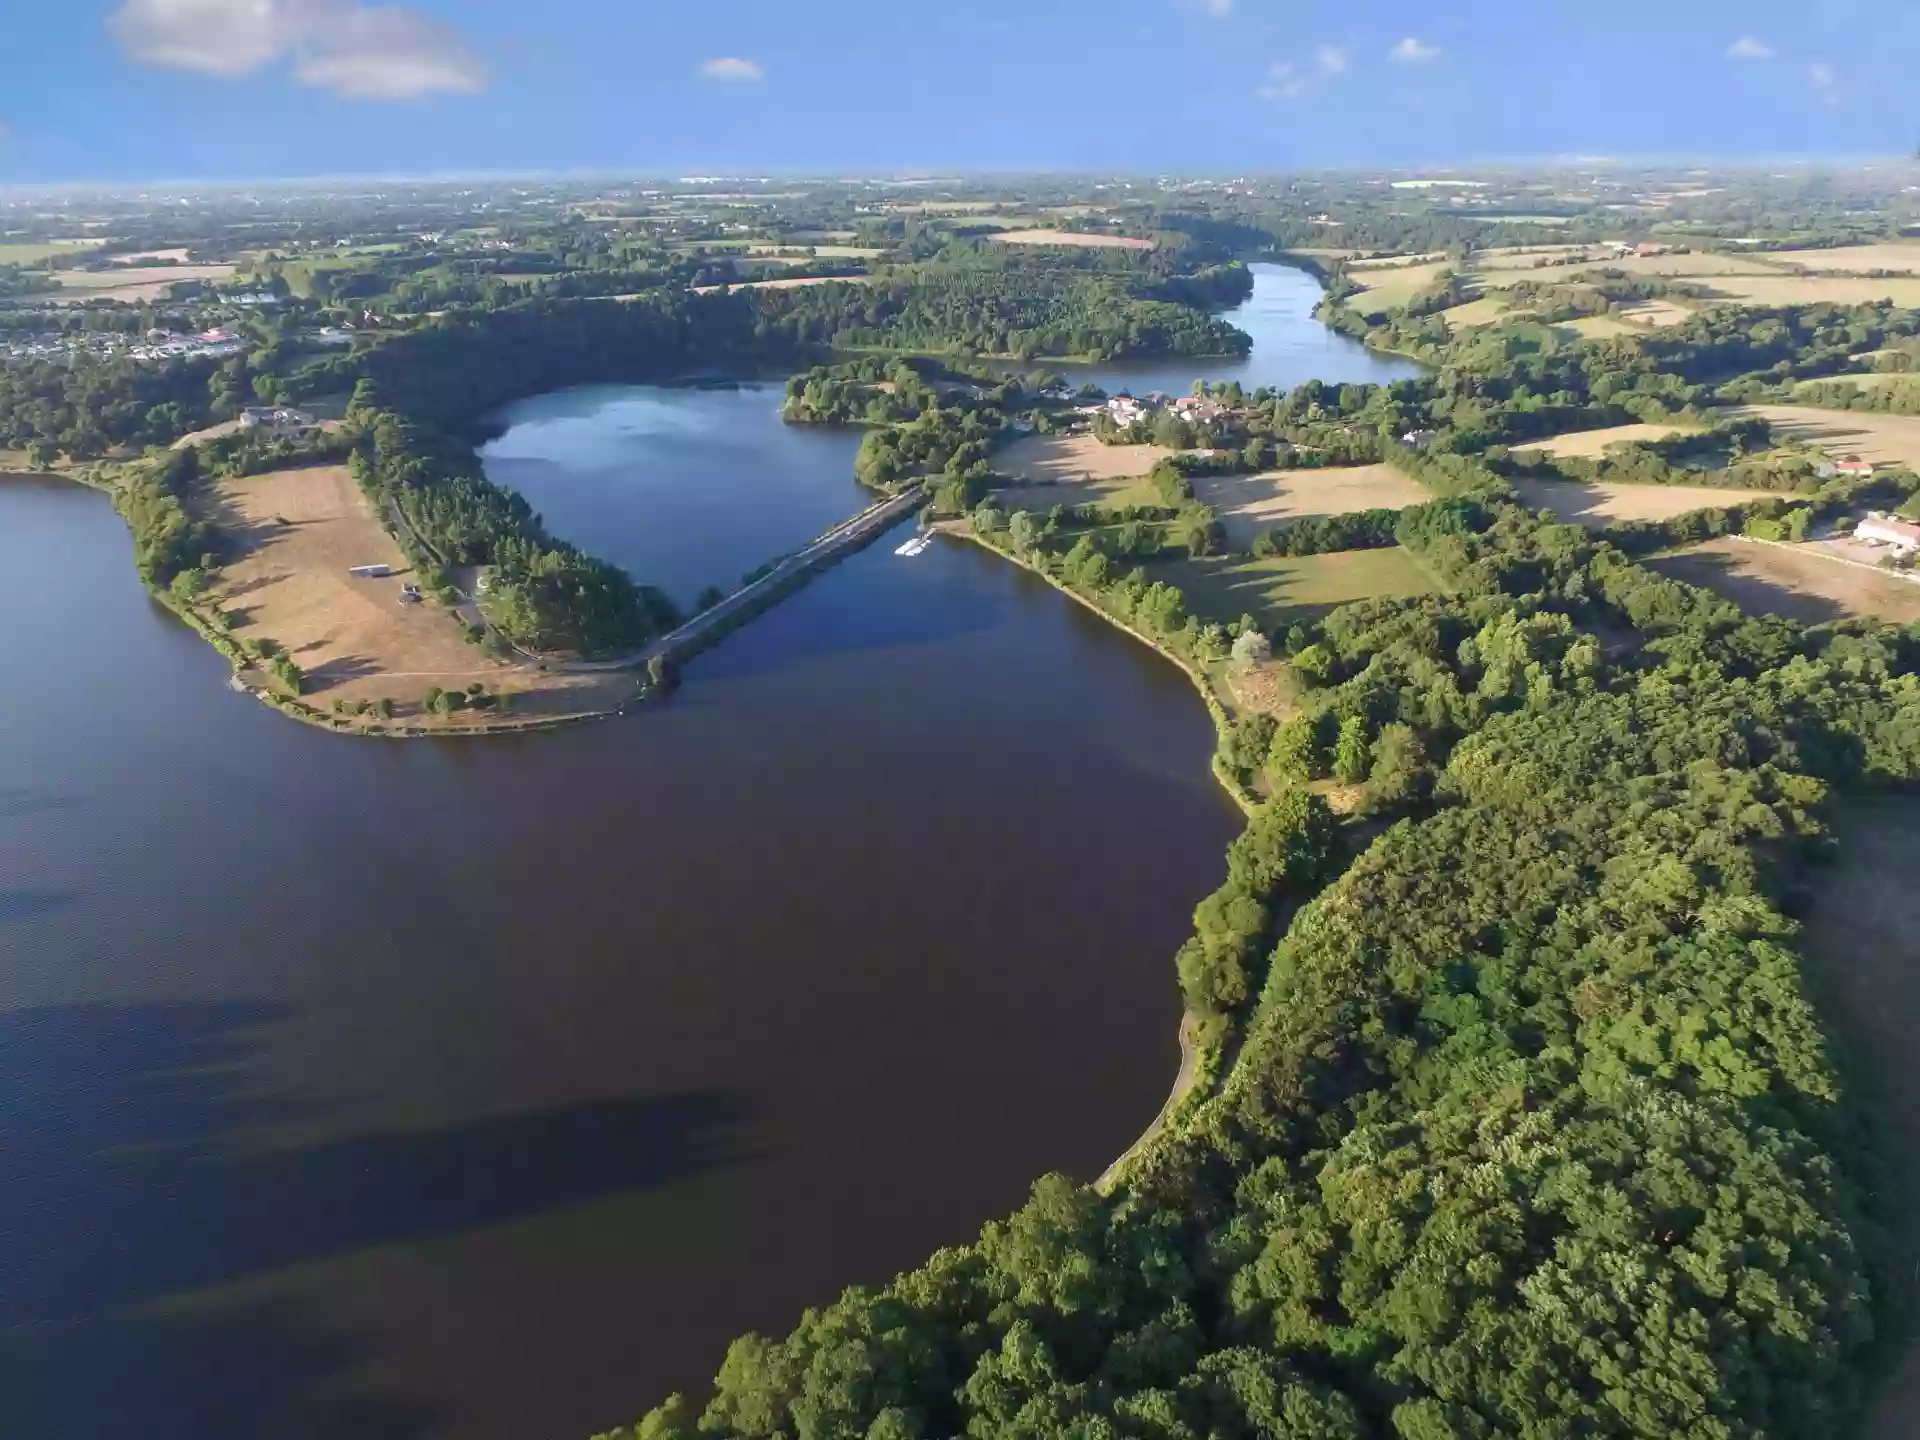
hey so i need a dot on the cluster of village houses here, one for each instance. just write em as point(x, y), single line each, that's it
point(1126, 411)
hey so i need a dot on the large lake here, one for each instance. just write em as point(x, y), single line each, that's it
point(485, 1089)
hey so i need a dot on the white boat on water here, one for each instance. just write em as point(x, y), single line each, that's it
point(914, 546)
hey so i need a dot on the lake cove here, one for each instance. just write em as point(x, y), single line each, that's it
point(1290, 347)
point(489, 1087)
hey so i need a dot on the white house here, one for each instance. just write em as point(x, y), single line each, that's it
point(1878, 529)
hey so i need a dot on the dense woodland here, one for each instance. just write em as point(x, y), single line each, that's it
point(1529, 1126)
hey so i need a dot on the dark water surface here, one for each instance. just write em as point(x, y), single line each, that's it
point(487, 1088)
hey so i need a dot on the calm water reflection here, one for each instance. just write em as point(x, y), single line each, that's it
point(1290, 347)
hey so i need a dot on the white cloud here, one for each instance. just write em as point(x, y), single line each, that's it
point(1288, 80)
point(1411, 51)
point(358, 51)
point(1825, 81)
point(729, 67)
point(1749, 47)
point(1219, 9)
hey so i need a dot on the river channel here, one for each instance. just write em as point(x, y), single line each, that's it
point(486, 1088)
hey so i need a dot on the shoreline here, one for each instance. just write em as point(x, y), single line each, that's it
point(1202, 1057)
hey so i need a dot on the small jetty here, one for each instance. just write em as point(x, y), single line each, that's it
point(914, 546)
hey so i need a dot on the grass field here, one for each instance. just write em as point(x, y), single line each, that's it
point(1883, 439)
point(27, 254)
point(1590, 443)
point(1583, 503)
point(1074, 237)
point(1860, 940)
point(1392, 285)
point(299, 532)
point(1280, 591)
point(1802, 582)
point(1250, 504)
point(1485, 311)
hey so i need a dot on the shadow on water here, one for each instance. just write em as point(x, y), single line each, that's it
point(236, 1373)
point(127, 1129)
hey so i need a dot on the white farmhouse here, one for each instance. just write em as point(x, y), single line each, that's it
point(1878, 529)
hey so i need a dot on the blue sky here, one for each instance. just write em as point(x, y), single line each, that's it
point(253, 89)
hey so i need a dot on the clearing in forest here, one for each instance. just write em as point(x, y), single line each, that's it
point(1883, 439)
point(1588, 503)
point(1801, 582)
point(1250, 504)
point(299, 533)
point(1283, 589)
point(1861, 936)
point(1074, 237)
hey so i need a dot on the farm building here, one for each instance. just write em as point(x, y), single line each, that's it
point(1902, 535)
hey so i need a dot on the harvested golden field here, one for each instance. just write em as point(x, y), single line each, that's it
point(1681, 267)
point(1883, 439)
point(133, 284)
point(1523, 257)
point(1056, 459)
point(1852, 259)
point(1590, 443)
point(1251, 504)
point(300, 531)
point(1585, 503)
point(1074, 237)
point(1283, 589)
point(1776, 290)
point(1802, 582)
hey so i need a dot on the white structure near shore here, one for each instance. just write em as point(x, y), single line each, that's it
point(1878, 529)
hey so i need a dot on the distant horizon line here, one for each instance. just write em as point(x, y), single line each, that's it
point(913, 176)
